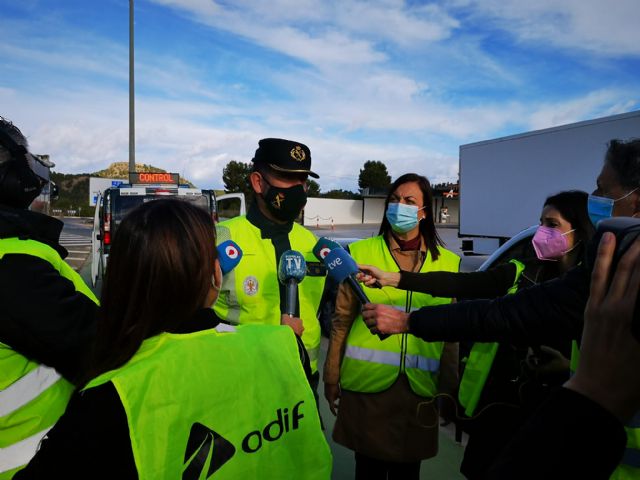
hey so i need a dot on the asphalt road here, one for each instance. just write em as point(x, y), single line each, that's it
point(76, 238)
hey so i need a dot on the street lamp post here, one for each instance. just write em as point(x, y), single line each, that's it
point(132, 127)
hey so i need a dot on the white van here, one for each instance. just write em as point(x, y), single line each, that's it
point(114, 203)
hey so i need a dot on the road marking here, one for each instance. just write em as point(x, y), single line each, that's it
point(74, 258)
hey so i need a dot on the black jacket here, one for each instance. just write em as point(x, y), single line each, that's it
point(544, 314)
point(570, 436)
point(43, 316)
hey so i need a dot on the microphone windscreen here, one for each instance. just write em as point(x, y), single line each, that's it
point(291, 266)
point(323, 247)
point(229, 255)
point(340, 264)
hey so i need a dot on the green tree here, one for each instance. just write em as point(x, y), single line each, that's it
point(374, 176)
point(313, 189)
point(235, 176)
point(339, 193)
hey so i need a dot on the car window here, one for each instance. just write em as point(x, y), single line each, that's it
point(520, 250)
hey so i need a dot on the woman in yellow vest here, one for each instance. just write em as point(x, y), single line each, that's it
point(494, 385)
point(173, 393)
point(386, 386)
point(497, 383)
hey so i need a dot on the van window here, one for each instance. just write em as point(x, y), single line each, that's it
point(124, 204)
point(228, 208)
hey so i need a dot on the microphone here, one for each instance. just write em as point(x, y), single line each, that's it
point(291, 270)
point(229, 255)
point(342, 267)
point(323, 247)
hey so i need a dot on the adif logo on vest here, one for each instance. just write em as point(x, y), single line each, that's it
point(206, 451)
point(253, 441)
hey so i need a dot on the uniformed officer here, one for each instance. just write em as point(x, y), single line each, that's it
point(251, 293)
point(48, 312)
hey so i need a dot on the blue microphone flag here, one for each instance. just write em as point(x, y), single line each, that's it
point(340, 264)
point(229, 255)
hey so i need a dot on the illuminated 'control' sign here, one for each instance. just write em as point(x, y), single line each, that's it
point(154, 177)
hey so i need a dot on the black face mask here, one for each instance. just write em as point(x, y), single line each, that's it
point(285, 203)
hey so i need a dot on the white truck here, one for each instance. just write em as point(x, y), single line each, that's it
point(504, 182)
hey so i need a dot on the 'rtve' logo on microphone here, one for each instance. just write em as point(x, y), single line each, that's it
point(333, 264)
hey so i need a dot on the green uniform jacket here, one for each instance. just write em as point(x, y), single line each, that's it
point(250, 293)
point(32, 396)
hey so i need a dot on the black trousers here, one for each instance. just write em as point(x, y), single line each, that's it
point(368, 468)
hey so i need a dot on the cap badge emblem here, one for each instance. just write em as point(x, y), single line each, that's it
point(298, 154)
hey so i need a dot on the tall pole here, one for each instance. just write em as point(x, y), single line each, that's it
point(132, 123)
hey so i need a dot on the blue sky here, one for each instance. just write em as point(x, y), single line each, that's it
point(404, 82)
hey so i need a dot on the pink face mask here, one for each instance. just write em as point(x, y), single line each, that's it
point(549, 243)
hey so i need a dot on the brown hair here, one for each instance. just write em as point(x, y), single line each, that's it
point(159, 274)
point(427, 225)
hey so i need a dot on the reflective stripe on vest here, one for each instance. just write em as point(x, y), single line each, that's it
point(372, 365)
point(250, 293)
point(19, 454)
point(480, 360)
point(250, 414)
point(32, 396)
point(630, 465)
point(27, 388)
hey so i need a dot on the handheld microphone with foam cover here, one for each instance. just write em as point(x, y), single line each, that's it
point(229, 255)
point(323, 247)
point(291, 270)
point(342, 267)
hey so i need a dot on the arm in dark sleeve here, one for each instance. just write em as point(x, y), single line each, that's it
point(545, 313)
point(91, 440)
point(43, 316)
point(490, 283)
point(570, 436)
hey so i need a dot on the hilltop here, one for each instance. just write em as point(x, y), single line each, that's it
point(74, 188)
point(121, 170)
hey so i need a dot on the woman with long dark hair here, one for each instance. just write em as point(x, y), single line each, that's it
point(171, 392)
point(386, 386)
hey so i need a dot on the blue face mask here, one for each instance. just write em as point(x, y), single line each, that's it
point(600, 208)
point(403, 218)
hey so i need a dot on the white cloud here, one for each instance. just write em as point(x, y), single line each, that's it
point(607, 28)
point(325, 33)
point(595, 104)
point(350, 96)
